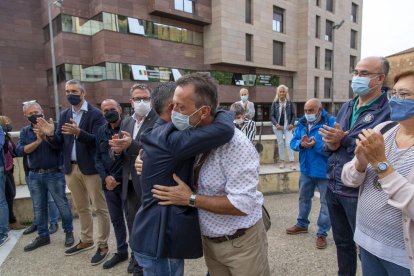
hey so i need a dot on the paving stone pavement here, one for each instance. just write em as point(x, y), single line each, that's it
point(288, 255)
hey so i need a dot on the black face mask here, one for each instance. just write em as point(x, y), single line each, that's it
point(73, 99)
point(8, 128)
point(111, 116)
point(33, 118)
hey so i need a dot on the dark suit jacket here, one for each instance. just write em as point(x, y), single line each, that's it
point(85, 143)
point(173, 231)
point(131, 153)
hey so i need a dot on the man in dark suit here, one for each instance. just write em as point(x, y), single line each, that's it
point(163, 236)
point(131, 128)
point(76, 130)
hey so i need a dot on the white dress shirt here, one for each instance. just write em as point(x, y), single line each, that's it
point(231, 170)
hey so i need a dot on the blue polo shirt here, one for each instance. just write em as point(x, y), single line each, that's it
point(45, 156)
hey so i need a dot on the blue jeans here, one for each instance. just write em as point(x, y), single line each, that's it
point(116, 212)
point(162, 266)
point(281, 146)
point(374, 266)
point(53, 210)
point(342, 211)
point(307, 187)
point(54, 183)
point(4, 209)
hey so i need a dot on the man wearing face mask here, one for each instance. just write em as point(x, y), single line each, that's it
point(109, 166)
point(308, 142)
point(246, 104)
point(44, 161)
point(76, 134)
point(367, 110)
point(131, 129)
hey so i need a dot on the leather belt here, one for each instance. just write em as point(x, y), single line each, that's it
point(52, 170)
point(236, 235)
point(74, 162)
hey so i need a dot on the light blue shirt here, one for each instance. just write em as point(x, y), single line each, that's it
point(77, 116)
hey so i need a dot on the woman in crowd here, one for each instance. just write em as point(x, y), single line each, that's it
point(9, 153)
point(282, 115)
point(247, 126)
point(246, 104)
point(383, 168)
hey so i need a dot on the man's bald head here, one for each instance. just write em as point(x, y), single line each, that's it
point(378, 64)
point(313, 106)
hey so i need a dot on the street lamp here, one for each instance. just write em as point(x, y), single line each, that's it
point(57, 3)
point(334, 27)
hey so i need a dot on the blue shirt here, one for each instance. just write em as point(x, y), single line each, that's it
point(45, 156)
point(1, 147)
point(77, 116)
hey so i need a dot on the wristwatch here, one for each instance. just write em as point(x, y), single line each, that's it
point(382, 167)
point(192, 200)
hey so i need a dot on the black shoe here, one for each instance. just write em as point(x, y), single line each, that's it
point(138, 271)
point(131, 265)
point(37, 242)
point(99, 256)
point(69, 240)
point(53, 228)
point(116, 259)
point(32, 228)
point(80, 247)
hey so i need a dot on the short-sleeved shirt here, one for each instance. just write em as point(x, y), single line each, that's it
point(231, 170)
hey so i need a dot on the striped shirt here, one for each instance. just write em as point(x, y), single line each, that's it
point(248, 128)
point(379, 228)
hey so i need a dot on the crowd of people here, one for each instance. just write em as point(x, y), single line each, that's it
point(169, 178)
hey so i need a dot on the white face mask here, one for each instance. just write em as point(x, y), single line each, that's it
point(238, 121)
point(142, 108)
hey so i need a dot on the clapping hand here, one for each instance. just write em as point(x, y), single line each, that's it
point(307, 142)
point(45, 127)
point(71, 128)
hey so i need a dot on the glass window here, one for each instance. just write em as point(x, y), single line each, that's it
point(328, 30)
point(318, 27)
point(249, 11)
point(197, 38)
point(352, 63)
point(278, 15)
point(316, 87)
point(354, 13)
point(184, 5)
point(150, 29)
point(249, 79)
point(223, 78)
point(317, 56)
point(122, 24)
point(162, 31)
point(249, 47)
point(165, 74)
point(113, 71)
point(328, 59)
point(267, 80)
point(73, 71)
point(350, 91)
point(93, 73)
point(353, 39)
point(330, 5)
point(318, 3)
point(278, 52)
point(109, 21)
point(176, 34)
point(327, 88)
point(126, 72)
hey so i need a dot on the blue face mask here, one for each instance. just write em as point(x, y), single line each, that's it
point(360, 85)
point(244, 98)
point(401, 109)
point(181, 121)
point(310, 117)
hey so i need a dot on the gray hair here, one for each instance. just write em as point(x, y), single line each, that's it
point(237, 108)
point(30, 104)
point(385, 66)
point(76, 82)
point(140, 86)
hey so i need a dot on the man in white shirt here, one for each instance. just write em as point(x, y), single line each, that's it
point(230, 214)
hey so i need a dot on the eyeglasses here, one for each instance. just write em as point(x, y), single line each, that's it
point(363, 73)
point(139, 99)
point(399, 95)
point(29, 102)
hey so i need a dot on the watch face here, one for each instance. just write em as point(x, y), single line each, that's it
point(382, 166)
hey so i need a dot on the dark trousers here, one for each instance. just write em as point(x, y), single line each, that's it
point(116, 213)
point(133, 202)
point(342, 212)
point(10, 194)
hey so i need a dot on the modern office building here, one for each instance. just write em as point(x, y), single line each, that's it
point(310, 46)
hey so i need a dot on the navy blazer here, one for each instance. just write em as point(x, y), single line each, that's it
point(173, 231)
point(85, 144)
point(131, 153)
